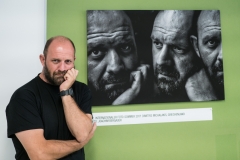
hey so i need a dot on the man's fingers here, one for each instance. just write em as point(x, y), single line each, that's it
point(136, 76)
point(71, 73)
point(69, 78)
point(144, 70)
point(94, 127)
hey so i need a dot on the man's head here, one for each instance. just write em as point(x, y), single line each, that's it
point(112, 52)
point(174, 59)
point(57, 58)
point(208, 45)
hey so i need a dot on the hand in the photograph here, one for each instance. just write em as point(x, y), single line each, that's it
point(139, 79)
point(199, 87)
point(69, 78)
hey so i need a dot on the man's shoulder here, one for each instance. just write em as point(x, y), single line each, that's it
point(29, 86)
point(81, 88)
point(79, 84)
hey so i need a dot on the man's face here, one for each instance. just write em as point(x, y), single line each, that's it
point(59, 59)
point(112, 53)
point(173, 56)
point(210, 44)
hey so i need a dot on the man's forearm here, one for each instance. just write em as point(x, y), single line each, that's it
point(38, 148)
point(78, 122)
point(55, 149)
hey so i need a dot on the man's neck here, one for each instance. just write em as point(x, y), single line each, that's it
point(42, 76)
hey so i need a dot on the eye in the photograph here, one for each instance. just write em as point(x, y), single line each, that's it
point(178, 50)
point(158, 44)
point(212, 43)
point(96, 54)
point(126, 48)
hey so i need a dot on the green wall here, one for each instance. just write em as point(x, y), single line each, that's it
point(218, 139)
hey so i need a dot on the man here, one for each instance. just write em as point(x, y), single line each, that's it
point(208, 46)
point(50, 116)
point(114, 75)
point(174, 59)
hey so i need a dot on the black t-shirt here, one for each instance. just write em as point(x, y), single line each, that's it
point(38, 104)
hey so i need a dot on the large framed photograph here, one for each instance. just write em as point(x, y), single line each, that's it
point(149, 56)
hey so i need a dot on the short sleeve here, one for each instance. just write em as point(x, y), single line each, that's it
point(22, 113)
point(84, 98)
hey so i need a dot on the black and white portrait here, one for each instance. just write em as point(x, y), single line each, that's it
point(137, 57)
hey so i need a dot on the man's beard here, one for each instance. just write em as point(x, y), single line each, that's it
point(168, 86)
point(217, 80)
point(57, 78)
point(218, 67)
point(111, 86)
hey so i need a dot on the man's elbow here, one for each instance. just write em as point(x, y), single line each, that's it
point(83, 137)
point(83, 134)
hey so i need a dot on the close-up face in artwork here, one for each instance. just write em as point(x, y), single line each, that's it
point(112, 53)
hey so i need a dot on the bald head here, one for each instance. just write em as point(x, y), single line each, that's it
point(106, 21)
point(56, 39)
point(208, 18)
point(175, 20)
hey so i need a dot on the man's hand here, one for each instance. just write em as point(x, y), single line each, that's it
point(78, 122)
point(70, 78)
point(199, 87)
point(138, 78)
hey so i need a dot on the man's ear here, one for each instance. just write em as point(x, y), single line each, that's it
point(42, 59)
point(194, 42)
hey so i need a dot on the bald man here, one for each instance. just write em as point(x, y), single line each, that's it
point(174, 59)
point(208, 46)
point(114, 74)
point(50, 117)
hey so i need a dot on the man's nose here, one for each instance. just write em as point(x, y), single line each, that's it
point(164, 57)
point(62, 66)
point(220, 57)
point(114, 62)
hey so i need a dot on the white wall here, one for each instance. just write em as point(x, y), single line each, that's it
point(22, 38)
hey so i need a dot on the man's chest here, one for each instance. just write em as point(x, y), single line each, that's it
point(53, 118)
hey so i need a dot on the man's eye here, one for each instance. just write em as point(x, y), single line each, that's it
point(157, 44)
point(212, 43)
point(68, 61)
point(55, 61)
point(178, 50)
point(96, 54)
point(126, 48)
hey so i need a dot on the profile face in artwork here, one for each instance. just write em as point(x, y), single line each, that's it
point(208, 46)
